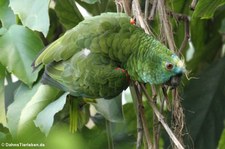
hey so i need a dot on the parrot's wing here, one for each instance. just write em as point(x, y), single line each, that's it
point(87, 74)
point(80, 37)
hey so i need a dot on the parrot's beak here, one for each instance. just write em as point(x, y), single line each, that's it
point(174, 81)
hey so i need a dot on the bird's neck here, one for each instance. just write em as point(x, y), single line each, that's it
point(137, 59)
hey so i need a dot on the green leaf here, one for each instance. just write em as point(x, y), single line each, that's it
point(28, 103)
point(204, 104)
point(19, 47)
point(222, 140)
point(98, 8)
point(61, 138)
point(45, 118)
point(91, 1)
point(22, 97)
point(6, 14)
point(2, 31)
point(110, 109)
point(33, 14)
point(206, 8)
point(68, 13)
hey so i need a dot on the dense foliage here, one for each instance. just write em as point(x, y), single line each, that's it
point(32, 112)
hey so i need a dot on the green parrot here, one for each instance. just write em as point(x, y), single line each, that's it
point(98, 58)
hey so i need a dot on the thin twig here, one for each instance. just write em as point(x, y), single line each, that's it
point(152, 13)
point(178, 117)
point(185, 19)
point(119, 5)
point(144, 121)
point(126, 6)
point(161, 119)
point(164, 90)
point(139, 17)
point(139, 130)
point(166, 25)
point(186, 37)
point(146, 9)
point(109, 134)
point(135, 95)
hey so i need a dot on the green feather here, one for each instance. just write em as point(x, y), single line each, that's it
point(85, 59)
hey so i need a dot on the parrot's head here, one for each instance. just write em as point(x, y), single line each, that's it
point(174, 68)
point(161, 68)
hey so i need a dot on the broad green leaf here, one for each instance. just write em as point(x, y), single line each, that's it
point(68, 13)
point(45, 118)
point(222, 141)
point(98, 7)
point(27, 104)
point(6, 14)
point(33, 14)
point(2, 31)
point(19, 47)
point(22, 97)
point(91, 1)
point(206, 40)
point(61, 138)
point(206, 8)
point(204, 107)
point(110, 109)
point(2, 136)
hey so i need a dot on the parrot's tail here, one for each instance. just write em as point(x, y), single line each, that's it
point(74, 107)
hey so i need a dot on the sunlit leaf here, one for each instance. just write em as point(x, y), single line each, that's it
point(45, 118)
point(206, 8)
point(19, 47)
point(28, 103)
point(61, 138)
point(110, 109)
point(6, 14)
point(33, 14)
point(22, 97)
point(204, 107)
point(68, 13)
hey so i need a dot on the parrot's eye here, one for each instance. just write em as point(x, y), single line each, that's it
point(169, 66)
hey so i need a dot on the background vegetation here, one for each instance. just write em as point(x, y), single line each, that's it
point(32, 112)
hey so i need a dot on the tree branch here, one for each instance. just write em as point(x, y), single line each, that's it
point(146, 9)
point(139, 17)
point(142, 116)
point(166, 25)
point(135, 96)
point(161, 119)
point(126, 6)
point(185, 19)
point(152, 13)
